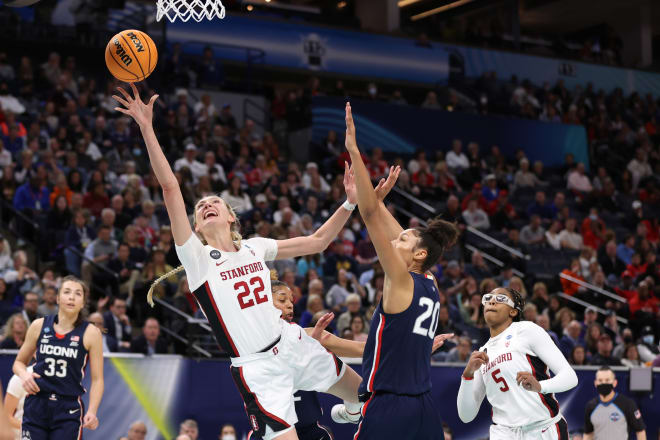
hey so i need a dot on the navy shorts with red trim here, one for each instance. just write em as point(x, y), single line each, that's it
point(52, 417)
point(401, 417)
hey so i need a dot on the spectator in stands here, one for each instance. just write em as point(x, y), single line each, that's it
point(533, 234)
point(646, 345)
point(478, 267)
point(189, 427)
point(138, 254)
point(552, 235)
point(524, 178)
point(639, 167)
point(78, 237)
point(626, 249)
point(346, 284)
point(15, 331)
point(227, 432)
point(475, 216)
point(490, 191)
point(109, 343)
point(314, 305)
point(30, 307)
point(353, 305)
point(541, 207)
point(33, 196)
point(571, 338)
point(125, 269)
point(603, 355)
point(543, 321)
point(340, 258)
point(358, 328)
point(117, 323)
point(150, 342)
point(49, 305)
point(610, 261)
point(137, 431)
point(460, 353)
point(593, 230)
point(578, 356)
point(530, 312)
point(578, 181)
point(236, 197)
point(631, 357)
point(456, 160)
point(99, 252)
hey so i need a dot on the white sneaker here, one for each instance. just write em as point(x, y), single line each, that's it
point(339, 414)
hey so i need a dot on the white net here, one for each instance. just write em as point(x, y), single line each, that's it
point(184, 10)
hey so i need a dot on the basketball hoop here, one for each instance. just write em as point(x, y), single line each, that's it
point(184, 10)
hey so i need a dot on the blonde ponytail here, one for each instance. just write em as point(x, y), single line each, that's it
point(150, 293)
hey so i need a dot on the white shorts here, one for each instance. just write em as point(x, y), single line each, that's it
point(552, 429)
point(268, 380)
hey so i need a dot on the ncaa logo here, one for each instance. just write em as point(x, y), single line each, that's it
point(314, 50)
point(253, 422)
point(215, 254)
point(615, 416)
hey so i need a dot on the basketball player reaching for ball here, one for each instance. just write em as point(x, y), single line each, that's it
point(230, 280)
point(396, 381)
point(53, 409)
point(308, 407)
point(511, 371)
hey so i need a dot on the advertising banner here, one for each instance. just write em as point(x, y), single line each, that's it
point(405, 129)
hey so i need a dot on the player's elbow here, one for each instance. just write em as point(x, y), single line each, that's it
point(465, 416)
point(573, 380)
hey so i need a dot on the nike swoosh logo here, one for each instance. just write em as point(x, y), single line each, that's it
point(300, 336)
point(542, 431)
point(73, 411)
point(223, 262)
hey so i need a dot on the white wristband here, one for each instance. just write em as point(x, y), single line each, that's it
point(348, 206)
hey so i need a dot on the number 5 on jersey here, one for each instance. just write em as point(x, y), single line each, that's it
point(244, 292)
point(432, 308)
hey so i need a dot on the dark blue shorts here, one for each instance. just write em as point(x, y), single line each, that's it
point(400, 417)
point(309, 432)
point(52, 417)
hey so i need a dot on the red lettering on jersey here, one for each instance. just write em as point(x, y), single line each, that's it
point(234, 274)
point(223, 275)
point(241, 270)
point(498, 360)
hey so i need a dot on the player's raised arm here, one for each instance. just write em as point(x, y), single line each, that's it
point(143, 115)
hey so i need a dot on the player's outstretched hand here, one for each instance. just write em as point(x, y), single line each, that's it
point(528, 381)
point(90, 421)
point(142, 113)
point(320, 326)
point(349, 184)
point(477, 359)
point(385, 185)
point(439, 340)
point(350, 141)
point(29, 384)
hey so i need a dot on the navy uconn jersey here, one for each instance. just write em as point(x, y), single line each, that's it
point(61, 359)
point(308, 407)
point(397, 342)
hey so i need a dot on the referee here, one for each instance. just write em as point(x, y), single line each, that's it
point(611, 416)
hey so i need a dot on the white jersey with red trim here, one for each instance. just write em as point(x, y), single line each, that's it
point(233, 290)
point(523, 346)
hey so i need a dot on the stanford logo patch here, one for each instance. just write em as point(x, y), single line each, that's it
point(215, 254)
point(253, 422)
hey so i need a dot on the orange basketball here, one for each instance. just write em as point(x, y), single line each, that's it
point(131, 56)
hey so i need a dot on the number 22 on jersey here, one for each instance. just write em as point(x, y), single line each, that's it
point(250, 295)
point(432, 311)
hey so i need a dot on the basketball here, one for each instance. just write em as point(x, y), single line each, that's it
point(19, 3)
point(131, 56)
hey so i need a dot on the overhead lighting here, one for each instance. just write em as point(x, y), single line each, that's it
point(341, 5)
point(403, 3)
point(267, 1)
point(440, 9)
point(250, 8)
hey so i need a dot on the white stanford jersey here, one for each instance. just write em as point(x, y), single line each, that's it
point(233, 290)
point(523, 346)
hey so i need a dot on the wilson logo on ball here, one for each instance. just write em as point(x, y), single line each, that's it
point(123, 56)
point(136, 41)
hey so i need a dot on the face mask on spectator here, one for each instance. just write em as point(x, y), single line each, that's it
point(648, 339)
point(229, 437)
point(137, 151)
point(593, 217)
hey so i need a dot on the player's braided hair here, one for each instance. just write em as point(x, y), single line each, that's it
point(518, 300)
point(235, 237)
point(437, 236)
